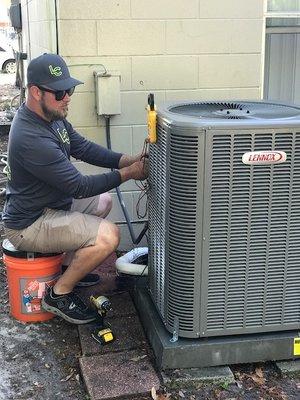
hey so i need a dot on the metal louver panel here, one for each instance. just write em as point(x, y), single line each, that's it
point(253, 277)
point(182, 232)
point(157, 218)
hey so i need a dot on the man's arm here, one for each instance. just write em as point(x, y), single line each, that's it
point(95, 154)
point(90, 152)
point(50, 165)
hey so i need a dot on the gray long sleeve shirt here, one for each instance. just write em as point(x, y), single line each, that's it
point(40, 171)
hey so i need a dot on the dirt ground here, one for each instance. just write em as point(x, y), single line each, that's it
point(41, 360)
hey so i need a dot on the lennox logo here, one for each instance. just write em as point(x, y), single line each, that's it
point(264, 157)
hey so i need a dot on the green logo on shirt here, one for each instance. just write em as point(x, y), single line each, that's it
point(56, 71)
point(64, 137)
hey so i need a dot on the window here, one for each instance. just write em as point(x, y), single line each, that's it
point(284, 5)
point(282, 55)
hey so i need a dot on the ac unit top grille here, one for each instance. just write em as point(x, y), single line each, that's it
point(226, 112)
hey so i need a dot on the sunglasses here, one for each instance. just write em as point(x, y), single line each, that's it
point(59, 94)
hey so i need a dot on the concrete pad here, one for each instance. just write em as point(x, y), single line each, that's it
point(289, 368)
point(116, 375)
point(210, 351)
point(127, 330)
point(193, 377)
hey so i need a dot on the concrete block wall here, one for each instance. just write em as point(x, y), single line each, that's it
point(39, 27)
point(177, 49)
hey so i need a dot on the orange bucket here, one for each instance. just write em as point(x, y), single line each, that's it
point(29, 275)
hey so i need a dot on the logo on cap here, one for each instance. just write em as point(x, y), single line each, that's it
point(56, 71)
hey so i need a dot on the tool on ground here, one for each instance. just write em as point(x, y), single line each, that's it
point(151, 119)
point(103, 333)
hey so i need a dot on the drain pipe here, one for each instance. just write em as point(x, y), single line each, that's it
point(135, 240)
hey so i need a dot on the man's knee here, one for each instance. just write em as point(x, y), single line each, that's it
point(108, 235)
point(104, 205)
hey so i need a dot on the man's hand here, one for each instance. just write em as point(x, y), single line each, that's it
point(138, 170)
point(126, 160)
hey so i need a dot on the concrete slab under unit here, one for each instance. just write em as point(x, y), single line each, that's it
point(193, 377)
point(212, 351)
point(118, 375)
point(289, 368)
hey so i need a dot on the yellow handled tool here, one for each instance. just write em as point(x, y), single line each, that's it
point(152, 137)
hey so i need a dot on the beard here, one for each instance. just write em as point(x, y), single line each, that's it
point(53, 115)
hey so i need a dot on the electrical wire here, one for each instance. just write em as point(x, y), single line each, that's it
point(143, 185)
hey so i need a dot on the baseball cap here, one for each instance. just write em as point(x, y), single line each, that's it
point(51, 71)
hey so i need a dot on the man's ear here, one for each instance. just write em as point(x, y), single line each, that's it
point(35, 92)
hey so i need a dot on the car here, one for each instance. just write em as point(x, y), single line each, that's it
point(7, 58)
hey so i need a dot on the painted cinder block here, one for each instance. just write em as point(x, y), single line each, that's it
point(47, 34)
point(95, 9)
point(139, 134)
point(82, 110)
point(43, 34)
point(164, 72)
point(214, 37)
point(214, 94)
point(133, 107)
point(32, 9)
point(41, 10)
point(246, 35)
point(116, 213)
point(121, 139)
point(130, 37)
point(36, 50)
point(95, 134)
point(229, 71)
point(83, 68)
point(231, 9)
point(197, 36)
point(77, 38)
point(167, 9)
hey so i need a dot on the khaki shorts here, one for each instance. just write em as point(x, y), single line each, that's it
point(57, 231)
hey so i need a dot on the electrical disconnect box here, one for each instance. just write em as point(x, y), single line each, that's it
point(108, 92)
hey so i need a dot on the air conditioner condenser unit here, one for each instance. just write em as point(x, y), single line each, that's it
point(224, 218)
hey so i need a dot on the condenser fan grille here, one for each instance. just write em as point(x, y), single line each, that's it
point(236, 110)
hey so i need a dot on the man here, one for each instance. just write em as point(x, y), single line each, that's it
point(50, 205)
